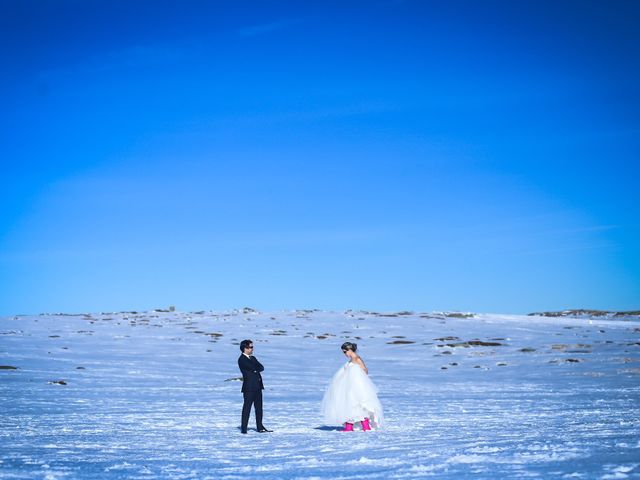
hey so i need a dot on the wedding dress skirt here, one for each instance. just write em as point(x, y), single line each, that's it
point(351, 397)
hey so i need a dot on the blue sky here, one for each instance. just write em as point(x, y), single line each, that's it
point(379, 155)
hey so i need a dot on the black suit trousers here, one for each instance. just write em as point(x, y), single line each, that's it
point(252, 398)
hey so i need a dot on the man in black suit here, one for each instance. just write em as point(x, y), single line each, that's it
point(251, 386)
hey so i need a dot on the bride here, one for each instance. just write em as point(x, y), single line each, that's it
point(351, 395)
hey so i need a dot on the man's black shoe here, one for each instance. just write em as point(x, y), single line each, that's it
point(264, 430)
point(243, 431)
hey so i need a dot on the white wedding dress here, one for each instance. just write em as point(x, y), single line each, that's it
point(351, 397)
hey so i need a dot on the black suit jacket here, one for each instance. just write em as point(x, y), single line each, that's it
point(251, 378)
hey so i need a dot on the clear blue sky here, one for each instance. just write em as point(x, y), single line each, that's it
point(383, 155)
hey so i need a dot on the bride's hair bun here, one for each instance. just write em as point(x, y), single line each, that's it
point(349, 346)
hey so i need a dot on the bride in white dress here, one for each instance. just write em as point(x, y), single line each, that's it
point(351, 395)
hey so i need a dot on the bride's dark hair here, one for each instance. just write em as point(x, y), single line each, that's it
point(349, 346)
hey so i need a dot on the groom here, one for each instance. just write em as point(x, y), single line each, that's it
point(251, 386)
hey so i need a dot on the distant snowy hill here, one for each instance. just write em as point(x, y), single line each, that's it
point(581, 313)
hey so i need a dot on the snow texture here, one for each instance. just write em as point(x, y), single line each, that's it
point(155, 395)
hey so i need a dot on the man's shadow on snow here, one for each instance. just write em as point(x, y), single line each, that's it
point(323, 428)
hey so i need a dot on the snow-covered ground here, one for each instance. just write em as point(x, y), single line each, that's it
point(156, 395)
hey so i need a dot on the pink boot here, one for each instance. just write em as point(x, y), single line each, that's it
point(365, 425)
point(348, 427)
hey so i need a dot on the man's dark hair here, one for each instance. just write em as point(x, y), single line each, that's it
point(244, 344)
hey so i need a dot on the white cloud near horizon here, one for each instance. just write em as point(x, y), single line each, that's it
point(264, 28)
